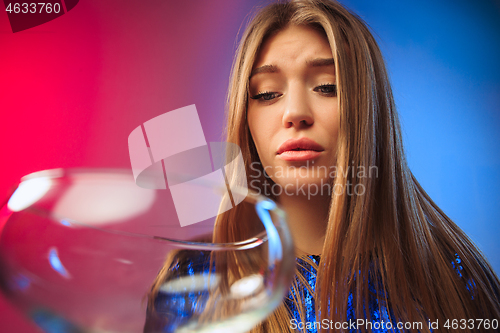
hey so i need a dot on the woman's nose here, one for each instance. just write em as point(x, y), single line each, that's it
point(297, 112)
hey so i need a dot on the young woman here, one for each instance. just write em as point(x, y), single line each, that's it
point(311, 108)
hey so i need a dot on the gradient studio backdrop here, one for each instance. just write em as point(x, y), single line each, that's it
point(72, 89)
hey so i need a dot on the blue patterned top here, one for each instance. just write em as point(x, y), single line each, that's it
point(380, 319)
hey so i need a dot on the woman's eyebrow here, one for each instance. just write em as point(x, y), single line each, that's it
point(265, 69)
point(318, 62)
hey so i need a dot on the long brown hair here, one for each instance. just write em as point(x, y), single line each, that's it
point(393, 235)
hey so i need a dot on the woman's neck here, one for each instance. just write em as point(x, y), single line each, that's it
point(307, 219)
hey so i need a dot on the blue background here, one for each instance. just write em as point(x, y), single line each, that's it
point(443, 59)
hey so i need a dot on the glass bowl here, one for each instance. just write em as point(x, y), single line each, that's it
point(90, 251)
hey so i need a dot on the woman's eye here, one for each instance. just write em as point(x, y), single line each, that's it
point(327, 89)
point(266, 96)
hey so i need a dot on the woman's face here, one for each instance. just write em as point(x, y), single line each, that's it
point(293, 109)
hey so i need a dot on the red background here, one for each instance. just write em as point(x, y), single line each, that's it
point(72, 89)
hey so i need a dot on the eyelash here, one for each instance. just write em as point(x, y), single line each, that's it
point(262, 96)
point(329, 85)
point(272, 95)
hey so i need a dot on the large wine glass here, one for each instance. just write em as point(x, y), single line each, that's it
point(90, 251)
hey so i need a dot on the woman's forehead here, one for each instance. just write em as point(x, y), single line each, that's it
point(294, 45)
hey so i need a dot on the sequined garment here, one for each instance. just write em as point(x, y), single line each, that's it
point(310, 323)
point(379, 322)
point(172, 310)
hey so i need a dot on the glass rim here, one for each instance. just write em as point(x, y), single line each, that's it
point(261, 202)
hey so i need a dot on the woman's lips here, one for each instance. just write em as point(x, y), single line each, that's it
point(302, 149)
point(299, 155)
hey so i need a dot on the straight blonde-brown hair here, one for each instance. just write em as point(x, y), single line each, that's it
point(393, 236)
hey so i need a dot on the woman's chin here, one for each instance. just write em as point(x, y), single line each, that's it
point(308, 187)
